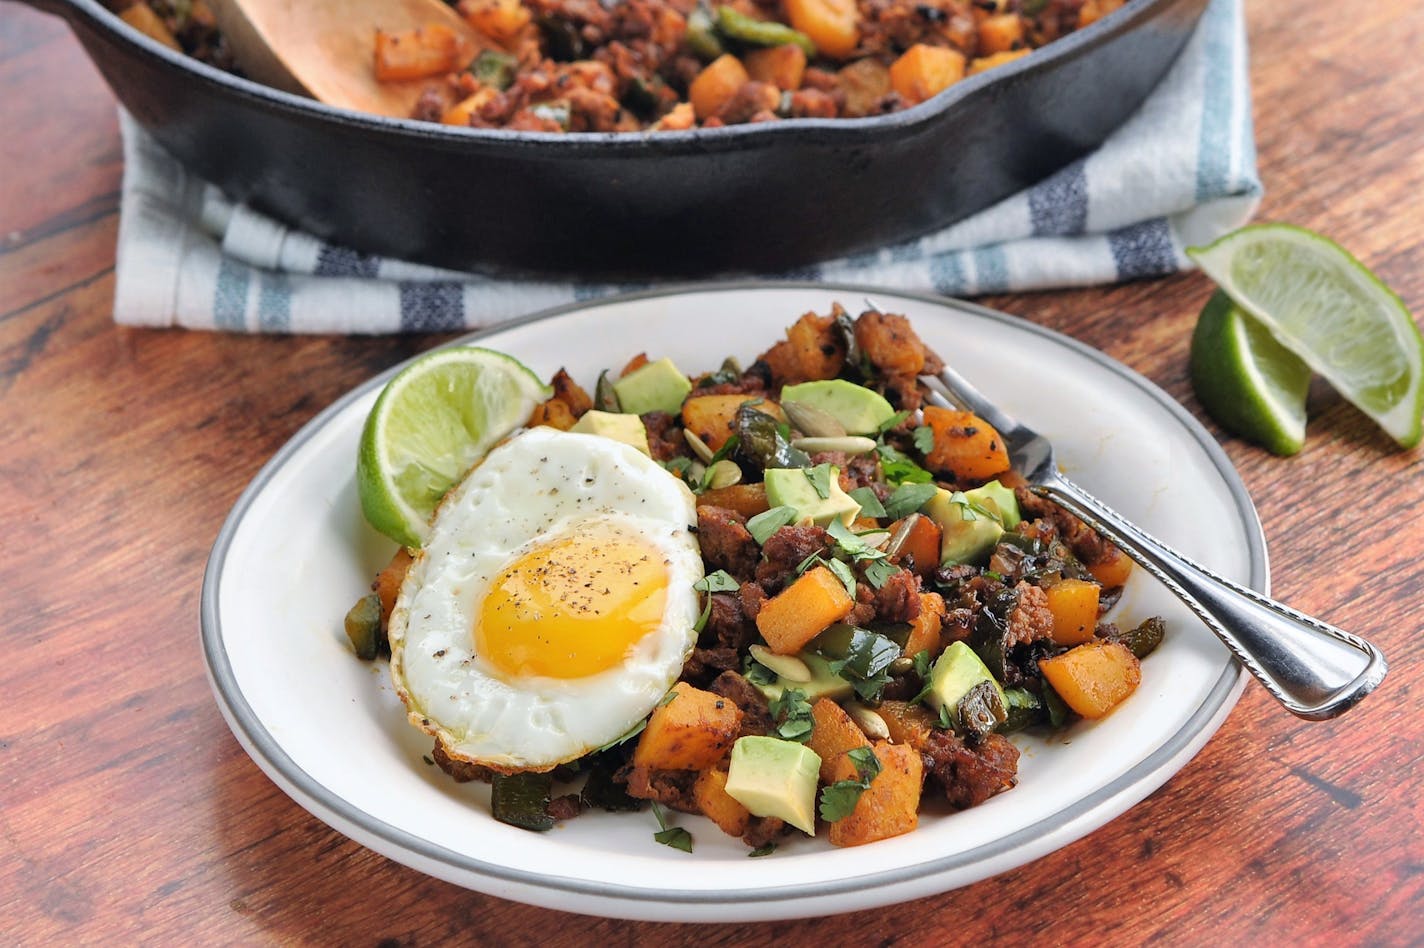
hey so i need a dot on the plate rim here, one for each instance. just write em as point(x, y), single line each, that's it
point(326, 805)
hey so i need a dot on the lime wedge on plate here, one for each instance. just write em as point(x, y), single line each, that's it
point(430, 425)
point(1328, 308)
point(1251, 384)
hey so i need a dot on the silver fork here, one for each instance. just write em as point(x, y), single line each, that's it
point(1314, 669)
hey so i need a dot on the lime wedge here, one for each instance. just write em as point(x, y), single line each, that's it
point(1251, 384)
point(1331, 311)
point(430, 425)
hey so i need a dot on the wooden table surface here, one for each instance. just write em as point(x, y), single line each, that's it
point(128, 811)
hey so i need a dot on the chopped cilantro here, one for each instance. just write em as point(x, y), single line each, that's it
point(792, 712)
point(870, 505)
point(878, 572)
point(757, 673)
point(908, 498)
point(720, 581)
point(922, 663)
point(839, 799)
point(668, 699)
point(766, 850)
point(852, 545)
point(674, 836)
point(764, 524)
point(820, 478)
point(924, 439)
point(892, 422)
point(627, 735)
point(844, 574)
point(899, 469)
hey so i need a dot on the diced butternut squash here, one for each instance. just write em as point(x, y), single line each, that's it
point(803, 610)
point(909, 723)
point(388, 582)
point(430, 50)
point(965, 445)
point(890, 806)
point(555, 413)
point(710, 794)
point(1093, 678)
point(1093, 10)
point(713, 417)
point(833, 25)
point(693, 730)
point(813, 349)
point(1074, 604)
point(746, 499)
point(833, 734)
point(924, 71)
point(782, 66)
point(141, 17)
point(924, 630)
point(1000, 34)
point(716, 84)
point(460, 112)
point(498, 19)
point(1112, 569)
point(919, 549)
point(985, 63)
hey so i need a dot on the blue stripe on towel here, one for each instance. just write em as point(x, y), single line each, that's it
point(991, 269)
point(1058, 205)
point(1143, 249)
point(230, 297)
point(947, 274)
point(274, 303)
point(432, 307)
point(342, 261)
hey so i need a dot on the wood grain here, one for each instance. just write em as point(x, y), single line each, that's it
point(131, 814)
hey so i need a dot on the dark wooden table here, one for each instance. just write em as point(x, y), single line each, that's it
point(131, 814)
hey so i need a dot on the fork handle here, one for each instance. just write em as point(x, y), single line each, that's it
point(1314, 669)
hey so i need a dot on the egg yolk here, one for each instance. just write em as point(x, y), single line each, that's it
point(572, 607)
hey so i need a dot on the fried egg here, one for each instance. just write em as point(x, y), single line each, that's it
point(552, 606)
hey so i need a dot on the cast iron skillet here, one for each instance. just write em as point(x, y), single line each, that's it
point(751, 198)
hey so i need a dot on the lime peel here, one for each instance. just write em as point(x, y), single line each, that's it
point(431, 423)
point(1325, 306)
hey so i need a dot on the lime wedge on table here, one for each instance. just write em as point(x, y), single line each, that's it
point(1328, 308)
point(1251, 384)
point(430, 425)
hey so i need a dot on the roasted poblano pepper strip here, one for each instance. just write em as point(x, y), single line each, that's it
point(642, 96)
point(363, 626)
point(702, 36)
point(743, 29)
point(762, 440)
point(494, 68)
point(603, 792)
point(522, 800)
point(562, 40)
point(1144, 639)
point(980, 710)
point(991, 630)
point(1058, 713)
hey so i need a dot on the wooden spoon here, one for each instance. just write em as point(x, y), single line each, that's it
point(325, 48)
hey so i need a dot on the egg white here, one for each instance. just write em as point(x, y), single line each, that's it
point(537, 486)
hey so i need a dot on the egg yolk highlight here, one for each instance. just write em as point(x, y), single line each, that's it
point(572, 607)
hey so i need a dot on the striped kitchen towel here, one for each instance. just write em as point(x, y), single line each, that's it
point(1181, 171)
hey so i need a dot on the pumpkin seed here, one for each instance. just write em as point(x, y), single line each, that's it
point(901, 665)
point(812, 421)
point(786, 667)
point(846, 444)
point(698, 446)
point(725, 473)
point(868, 721)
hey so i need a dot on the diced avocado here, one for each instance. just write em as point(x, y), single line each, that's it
point(620, 427)
point(955, 676)
point(860, 410)
point(998, 498)
point(772, 777)
point(791, 487)
point(967, 536)
point(824, 683)
point(657, 386)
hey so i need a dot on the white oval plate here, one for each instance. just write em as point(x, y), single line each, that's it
point(295, 553)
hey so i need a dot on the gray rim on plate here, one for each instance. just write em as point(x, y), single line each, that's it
point(256, 736)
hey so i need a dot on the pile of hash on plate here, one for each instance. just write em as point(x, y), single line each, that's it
point(793, 597)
